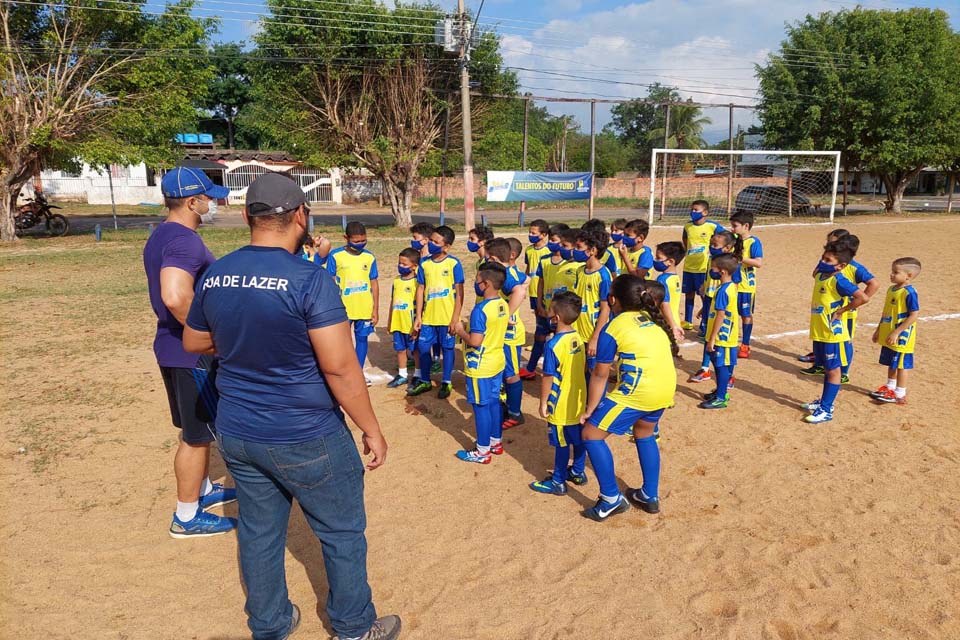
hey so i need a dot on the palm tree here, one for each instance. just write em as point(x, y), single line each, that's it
point(686, 131)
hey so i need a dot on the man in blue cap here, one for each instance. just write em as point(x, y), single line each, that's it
point(174, 258)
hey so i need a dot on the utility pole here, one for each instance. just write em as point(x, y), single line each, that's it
point(443, 161)
point(526, 124)
point(593, 155)
point(730, 165)
point(666, 162)
point(468, 205)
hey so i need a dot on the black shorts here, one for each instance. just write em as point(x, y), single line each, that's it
point(192, 394)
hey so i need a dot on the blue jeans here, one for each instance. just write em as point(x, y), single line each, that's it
point(326, 477)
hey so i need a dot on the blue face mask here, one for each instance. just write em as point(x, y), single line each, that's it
point(715, 274)
point(404, 271)
point(534, 239)
point(823, 267)
point(553, 246)
point(616, 237)
point(357, 246)
point(566, 254)
point(580, 256)
point(629, 242)
point(714, 252)
point(416, 244)
point(472, 246)
point(696, 215)
point(477, 290)
point(660, 265)
point(434, 249)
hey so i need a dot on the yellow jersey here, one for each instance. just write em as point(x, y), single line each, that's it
point(531, 259)
point(354, 273)
point(516, 331)
point(748, 275)
point(829, 292)
point(565, 360)
point(593, 288)
point(557, 277)
point(490, 318)
point(646, 376)
point(672, 294)
point(613, 261)
point(404, 309)
point(641, 258)
point(697, 240)
point(857, 274)
point(725, 299)
point(897, 305)
point(439, 279)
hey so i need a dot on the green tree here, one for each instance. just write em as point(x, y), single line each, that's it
point(883, 87)
point(229, 90)
point(612, 155)
point(95, 86)
point(686, 128)
point(633, 121)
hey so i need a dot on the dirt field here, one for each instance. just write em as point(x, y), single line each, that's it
point(770, 528)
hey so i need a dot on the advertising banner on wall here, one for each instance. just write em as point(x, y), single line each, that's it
point(513, 186)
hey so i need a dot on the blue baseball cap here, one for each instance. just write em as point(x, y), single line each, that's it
point(184, 182)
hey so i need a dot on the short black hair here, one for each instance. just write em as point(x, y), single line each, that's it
point(446, 233)
point(619, 223)
point(422, 228)
point(639, 227)
point(567, 305)
point(594, 225)
point(273, 221)
point(495, 274)
point(411, 254)
point(702, 203)
point(483, 233)
point(838, 233)
point(743, 217)
point(672, 250)
point(569, 235)
point(910, 265)
point(594, 240)
point(542, 225)
point(728, 262)
point(851, 241)
point(498, 248)
point(840, 250)
point(355, 228)
point(558, 228)
point(516, 248)
point(173, 203)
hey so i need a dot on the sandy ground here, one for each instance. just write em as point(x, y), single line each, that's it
point(770, 528)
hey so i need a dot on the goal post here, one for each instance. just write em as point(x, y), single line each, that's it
point(771, 183)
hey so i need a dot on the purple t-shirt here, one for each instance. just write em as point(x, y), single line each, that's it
point(172, 245)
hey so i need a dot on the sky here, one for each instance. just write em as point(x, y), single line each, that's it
point(706, 48)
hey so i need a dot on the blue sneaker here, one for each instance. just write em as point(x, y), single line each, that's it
point(548, 485)
point(819, 416)
point(474, 456)
point(578, 479)
point(603, 509)
point(643, 501)
point(203, 525)
point(398, 381)
point(220, 495)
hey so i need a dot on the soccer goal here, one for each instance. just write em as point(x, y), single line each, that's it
point(783, 184)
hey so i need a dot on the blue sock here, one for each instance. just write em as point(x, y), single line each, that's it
point(602, 461)
point(688, 308)
point(514, 396)
point(747, 332)
point(535, 353)
point(705, 307)
point(495, 416)
point(448, 355)
point(723, 379)
point(705, 361)
point(848, 349)
point(579, 458)
point(426, 361)
point(362, 347)
point(829, 395)
point(649, 454)
point(561, 457)
point(481, 416)
point(436, 351)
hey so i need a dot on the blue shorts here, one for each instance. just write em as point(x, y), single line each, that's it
point(362, 328)
point(724, 357)
point(403, 342)
point(512, 355)
point(692, 282)
point(746, 303)
point(831, 355)
point(618, 419)
point(564, 436)
point(894, 359)
point(432, 334)
point(544, 326)
point(481, 391)
point(591, 362)
point(533, 301)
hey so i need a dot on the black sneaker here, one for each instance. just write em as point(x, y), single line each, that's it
point(445, 389)
point(398, 381)
point(640, 499)
point(813, 371)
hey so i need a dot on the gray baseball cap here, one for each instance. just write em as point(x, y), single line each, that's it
point(273, 193)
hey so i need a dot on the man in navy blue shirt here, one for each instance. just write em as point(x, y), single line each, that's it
point(287, 368)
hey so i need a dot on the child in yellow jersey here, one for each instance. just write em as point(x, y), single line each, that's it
point(668, 256)
point(723, 242)
point(539, 237)
point(477, 239)
point(612, 259)
point(566, 276)
point(540, 294)
point(514, 290)
point(419, 239)
point(696, 239)
point(355, 270)
point(722, 330)
point(646, 382)
point(593, 287)
point(403, 303)
point(827, 329)
point(484, 361)
point(439, 300)
point(563, 395)
point(315, 249)
point(897, 331)
point(637, 257)
point(751, 259)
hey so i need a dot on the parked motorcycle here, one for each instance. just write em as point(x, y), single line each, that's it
point(38, 210)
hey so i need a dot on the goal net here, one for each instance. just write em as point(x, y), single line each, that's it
point(771, 184)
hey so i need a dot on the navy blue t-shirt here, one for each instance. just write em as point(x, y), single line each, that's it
point(258, 303)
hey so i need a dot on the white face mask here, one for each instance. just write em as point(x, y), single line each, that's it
point(208, 217)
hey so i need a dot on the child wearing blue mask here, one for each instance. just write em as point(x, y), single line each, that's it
point(477, 239)
point(668, 256)
point(637, 257)
point(696, 240)
point(721, 243)
point(593, 286)
point(355, 270)
point(403, 312)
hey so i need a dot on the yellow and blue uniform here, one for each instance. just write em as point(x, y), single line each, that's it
point(532, 256)
point(439, 280)
point(565, 360)
point(354, 273)
point(747, 288)
point(857, 274)
point(483, 365)
point(403, 312)
point(613, 261)
point(557, 277)
point(593, 287)
point(646, 376)
point(899, 303)
point(642, 258)
point(697, 261)
point(725, 346)
point(672, 294)
point(515, 335)
point(829, 335)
